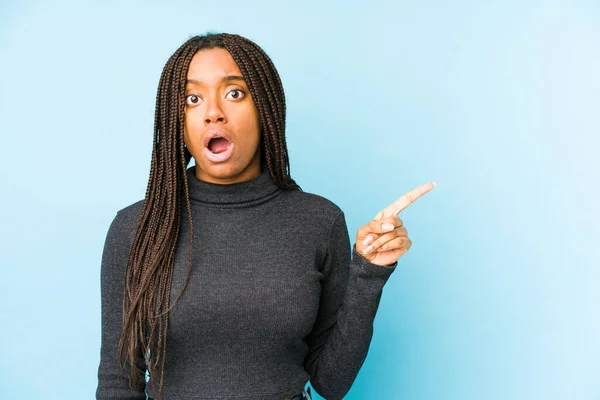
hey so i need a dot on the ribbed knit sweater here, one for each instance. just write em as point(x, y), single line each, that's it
point(274, 298)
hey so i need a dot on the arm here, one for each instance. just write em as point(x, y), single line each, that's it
point(340, 339)
point(112, 382)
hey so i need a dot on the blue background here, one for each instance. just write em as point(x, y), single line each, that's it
point(496, 101)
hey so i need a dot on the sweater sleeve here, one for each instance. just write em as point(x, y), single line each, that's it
point(113, 382)
point(340, 339)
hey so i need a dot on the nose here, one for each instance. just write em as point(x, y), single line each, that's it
point(214, 112)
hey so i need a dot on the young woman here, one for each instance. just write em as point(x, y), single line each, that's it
point(266, 294)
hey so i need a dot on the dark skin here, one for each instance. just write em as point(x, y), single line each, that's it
point(219, 101)
point(215, 102)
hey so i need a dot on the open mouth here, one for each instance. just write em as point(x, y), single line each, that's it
point(218, 145)
point(218, 149)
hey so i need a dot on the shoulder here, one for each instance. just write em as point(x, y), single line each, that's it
point(124, 223)
point(117, 245)
point(132, 211)
point(311, 206)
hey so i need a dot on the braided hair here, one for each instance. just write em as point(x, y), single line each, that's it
point(150, 262)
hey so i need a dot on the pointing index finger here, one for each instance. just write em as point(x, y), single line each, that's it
point(405, 200)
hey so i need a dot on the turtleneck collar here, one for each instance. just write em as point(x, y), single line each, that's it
point(241, 194)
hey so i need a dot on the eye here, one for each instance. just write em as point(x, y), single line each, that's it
point(238, 96)
point(192, 99)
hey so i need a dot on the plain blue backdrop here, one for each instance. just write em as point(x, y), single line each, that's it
point(496, 101)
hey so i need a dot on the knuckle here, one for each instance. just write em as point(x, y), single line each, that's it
point(370, 227)
point(363, 230)
point(376, 226)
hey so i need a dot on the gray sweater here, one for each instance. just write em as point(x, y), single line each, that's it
point(273, 300)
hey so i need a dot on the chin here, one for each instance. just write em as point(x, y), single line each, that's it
point(226, 172)
point(221, 171)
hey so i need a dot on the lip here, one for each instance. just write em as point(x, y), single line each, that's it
point(221, 157)
point(212, 133)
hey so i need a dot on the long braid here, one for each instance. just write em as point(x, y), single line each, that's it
point(151, 259)
point(266, 89)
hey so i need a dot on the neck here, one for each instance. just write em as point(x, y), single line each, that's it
point(257, 189)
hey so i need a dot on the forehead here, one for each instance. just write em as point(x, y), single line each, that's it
point(209, 63)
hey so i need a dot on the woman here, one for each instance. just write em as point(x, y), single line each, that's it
point(272, 297)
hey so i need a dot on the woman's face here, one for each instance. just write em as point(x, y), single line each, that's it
point(222, 126)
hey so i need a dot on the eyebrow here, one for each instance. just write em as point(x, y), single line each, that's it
point(224, 79)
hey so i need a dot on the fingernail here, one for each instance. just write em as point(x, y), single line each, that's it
point(387, 227)
point(368, 249)
point(368, 240)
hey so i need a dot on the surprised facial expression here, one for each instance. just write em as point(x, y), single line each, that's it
point(222, 126)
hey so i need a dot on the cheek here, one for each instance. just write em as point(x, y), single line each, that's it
point(248, 126)
point(253, 133)
point(190, 132)
point(253, 123)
